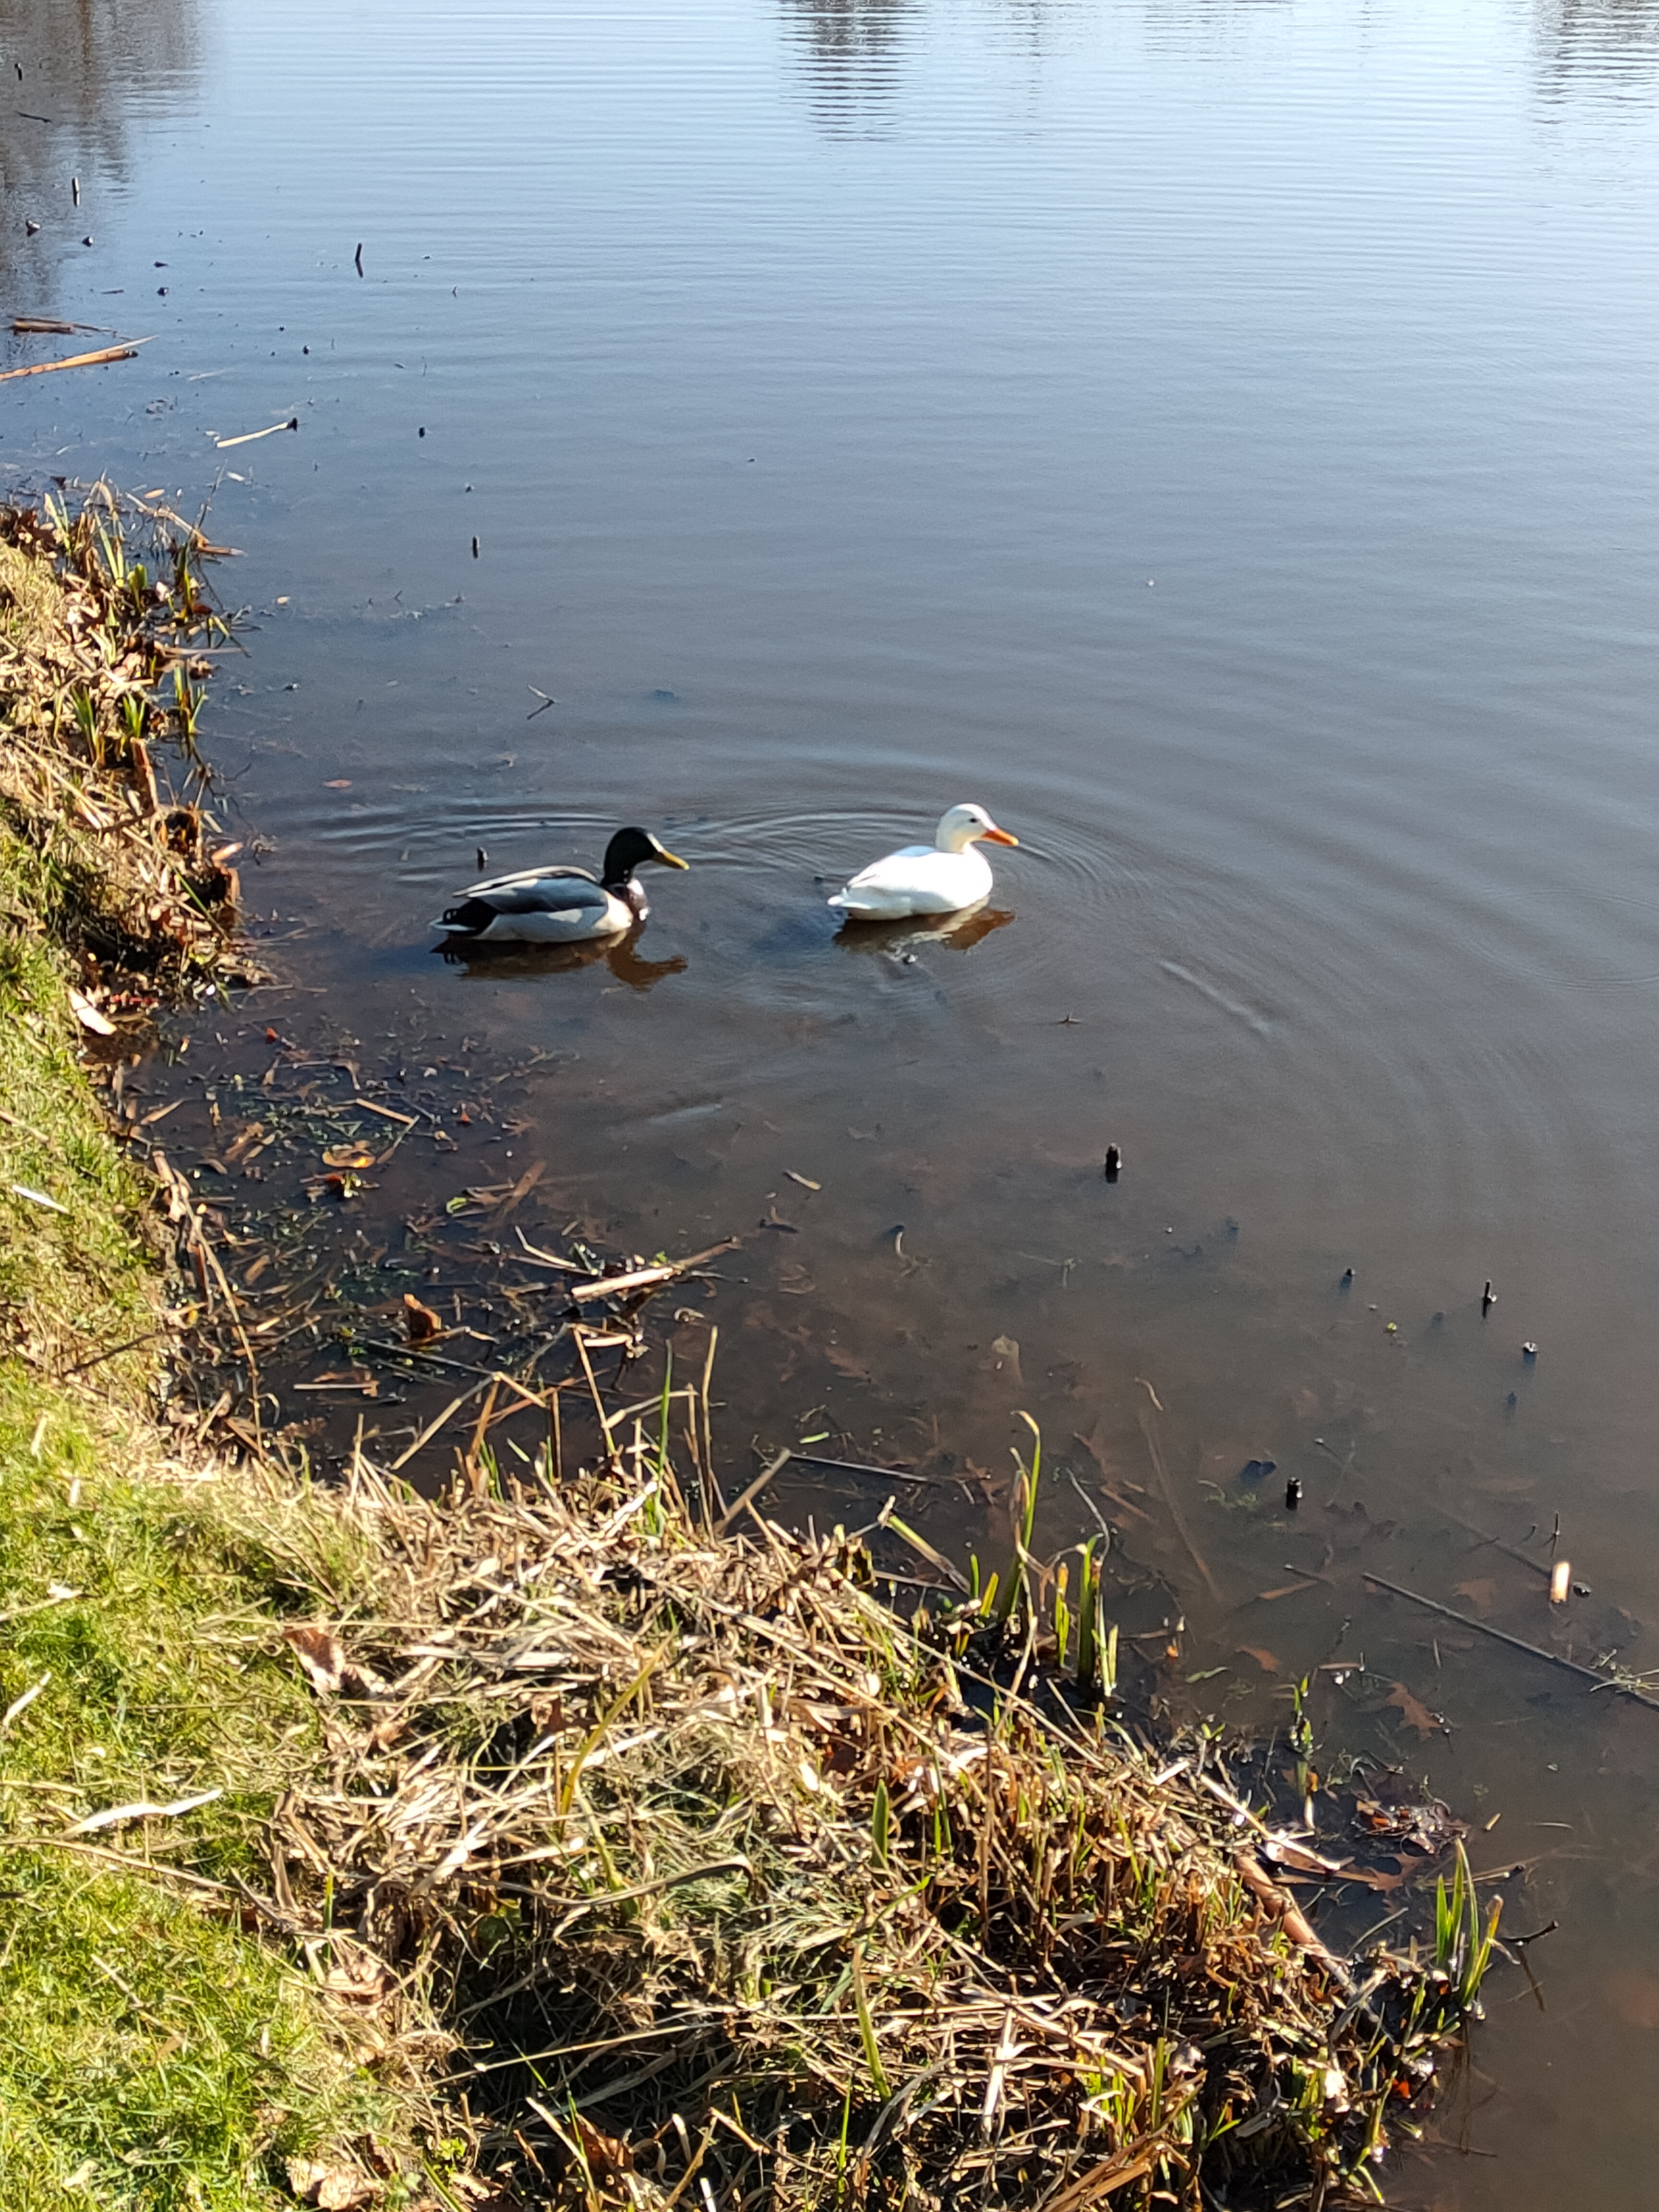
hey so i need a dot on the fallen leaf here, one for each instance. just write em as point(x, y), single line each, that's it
point(1414, 1714)
point(318, 1653)
point(1354, 1524)
point(1265, 1659)
point(1283, 1852)
point(1006, 1348)
point(326, 1666)
point(846, 1363)
point(1094, 1445)
point(420, 1322)
point(1481, 1592)
point(608, 2159)
point(331, 2188)
point(89, 1015)
point(1635, 1998)
point(1374, 1877)
point(522, 1189)
point(375, 2154)
point(243, 1141)
point(349, 1155)
point(363, 1981)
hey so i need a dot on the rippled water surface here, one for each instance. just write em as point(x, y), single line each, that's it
point(1223, 439)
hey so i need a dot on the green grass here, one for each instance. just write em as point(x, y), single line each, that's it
point(155, 2053)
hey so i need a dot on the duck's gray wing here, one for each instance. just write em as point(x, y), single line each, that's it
point(525, 876)
point(566, 896)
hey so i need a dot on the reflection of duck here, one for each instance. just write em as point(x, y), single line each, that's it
point(618, 954)
point(560, 906)
point(958, 933)
point(943, 878)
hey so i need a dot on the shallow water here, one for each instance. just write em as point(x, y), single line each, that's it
point(1219, 438)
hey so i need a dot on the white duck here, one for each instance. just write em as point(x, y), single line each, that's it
point(942, 877)
point(560, 906)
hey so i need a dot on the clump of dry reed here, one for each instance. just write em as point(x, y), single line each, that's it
point(104, 621)
point(735, 1890)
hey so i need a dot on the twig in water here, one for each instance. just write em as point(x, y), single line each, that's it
point(97, 1360)
point(871, 1473)
point(598, 1402)
point(369, 1106)
point(76, 361)
point(417, 1351)
point(1515, 1643)
point(1520, 1943)
point(1164, 1484)
point(646, 1279)
point(751, 1494)
point(247, 437)
point(433, 1427)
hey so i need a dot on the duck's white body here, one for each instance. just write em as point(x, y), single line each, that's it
point(942, 877)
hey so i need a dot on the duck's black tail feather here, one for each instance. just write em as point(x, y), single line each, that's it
point(474, 915)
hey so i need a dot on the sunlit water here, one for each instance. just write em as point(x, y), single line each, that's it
point(1222, 439)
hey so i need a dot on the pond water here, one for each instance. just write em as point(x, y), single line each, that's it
point(1222, 438)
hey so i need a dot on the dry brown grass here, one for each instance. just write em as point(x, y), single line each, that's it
point(730, 1888)
point(104, 619)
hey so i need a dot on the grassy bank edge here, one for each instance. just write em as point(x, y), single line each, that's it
point(157, 2053)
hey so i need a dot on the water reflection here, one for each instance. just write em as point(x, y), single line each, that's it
point(1609, 48)
point(850, 49)
point(72, 77)
point(959, 932)
point(497, 963)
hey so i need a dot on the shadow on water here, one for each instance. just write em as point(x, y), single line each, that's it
point(850, 50)
point(497, 963)
point(1605, 47)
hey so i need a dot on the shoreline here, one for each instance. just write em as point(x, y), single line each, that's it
point(270, 1706)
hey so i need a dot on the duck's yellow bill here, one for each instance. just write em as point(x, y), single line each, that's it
point(998, 838)
point(671, 859)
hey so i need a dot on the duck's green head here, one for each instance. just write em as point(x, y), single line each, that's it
point(631, 848)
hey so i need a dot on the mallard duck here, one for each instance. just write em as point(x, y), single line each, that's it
point(942, 877)
point(560, 906)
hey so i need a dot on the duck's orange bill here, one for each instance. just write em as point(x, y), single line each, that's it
point(998, 838)
point(669, 859)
